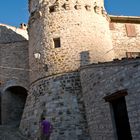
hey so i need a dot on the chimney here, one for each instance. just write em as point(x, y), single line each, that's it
point(23, 26)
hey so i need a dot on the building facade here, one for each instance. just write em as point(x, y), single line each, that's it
point(70, 71)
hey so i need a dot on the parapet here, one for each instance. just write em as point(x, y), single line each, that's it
point(115, 62)
point(9, 34)
point(56, 6)
point(125, 19)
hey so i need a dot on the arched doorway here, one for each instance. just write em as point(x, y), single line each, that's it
point(13, 102)
point(0, 108)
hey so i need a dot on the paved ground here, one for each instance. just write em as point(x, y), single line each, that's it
point(10, 133)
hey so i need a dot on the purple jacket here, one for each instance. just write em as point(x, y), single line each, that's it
point(46, 127)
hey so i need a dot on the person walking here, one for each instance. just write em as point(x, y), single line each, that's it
point(46, 129)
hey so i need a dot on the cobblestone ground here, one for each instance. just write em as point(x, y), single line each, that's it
point(10, 133)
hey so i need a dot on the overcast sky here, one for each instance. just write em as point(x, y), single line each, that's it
point(13, 12)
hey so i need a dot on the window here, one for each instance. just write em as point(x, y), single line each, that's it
point(33, 13)
point(111, 26)
point(51, 9)
point(45, 67)
point(57, 43)
point(132, 54)
point(120, 115)
point(130, 30)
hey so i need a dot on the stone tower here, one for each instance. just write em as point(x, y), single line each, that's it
point(64, 35)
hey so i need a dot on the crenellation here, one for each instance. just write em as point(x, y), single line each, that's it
point(57, 27)
point(57, 6)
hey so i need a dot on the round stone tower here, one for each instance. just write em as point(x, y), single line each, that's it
point(66, 34)
point(63, 35)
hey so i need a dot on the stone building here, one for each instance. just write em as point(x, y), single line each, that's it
point(79, 69)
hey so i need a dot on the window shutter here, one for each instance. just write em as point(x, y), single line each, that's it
point(132, 54)
point(130, 30)
point(111, 26)
point(129, 54)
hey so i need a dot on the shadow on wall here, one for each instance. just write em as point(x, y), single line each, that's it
point(9, 35)
point(84, 58)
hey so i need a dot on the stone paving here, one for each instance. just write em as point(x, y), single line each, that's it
point(10, 133)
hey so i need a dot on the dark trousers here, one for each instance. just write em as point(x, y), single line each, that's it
point(45, 137)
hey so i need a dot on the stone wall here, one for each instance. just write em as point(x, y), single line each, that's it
point(14, 59)
point(64, 35)
point(10, 34)
point(14, 72)
point(59, 99)
point(14, 68)
point(104, 79)
point(122, 42)
point(82, 28)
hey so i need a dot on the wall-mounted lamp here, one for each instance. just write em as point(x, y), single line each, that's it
point(37, 55)
point(40, 62)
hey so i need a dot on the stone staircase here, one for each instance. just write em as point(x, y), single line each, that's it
point(10, 133)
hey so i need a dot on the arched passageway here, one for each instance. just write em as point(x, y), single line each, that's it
point(0, 108)
point(12, 105)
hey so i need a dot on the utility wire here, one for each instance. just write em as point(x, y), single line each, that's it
point(15, 68)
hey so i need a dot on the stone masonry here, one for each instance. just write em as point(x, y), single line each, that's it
point(123, 43)
point(100, 80)
point(59, 98)
point(79, 33)
point(66, 70)
point(14, 71)
point(14, 57)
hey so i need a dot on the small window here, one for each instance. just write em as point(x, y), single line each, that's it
point(57, 43)
point(130, 30)
point(51, 9)
point(45, 67)
point(132, 54)
point(111, 26)
point(32, 14)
